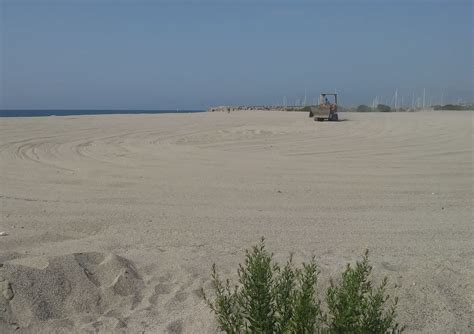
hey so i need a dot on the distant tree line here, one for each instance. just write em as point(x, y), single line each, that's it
point(453, 107)
point(380, 108)
point(385, 108)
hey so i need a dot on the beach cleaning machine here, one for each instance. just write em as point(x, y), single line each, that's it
point(326, 109)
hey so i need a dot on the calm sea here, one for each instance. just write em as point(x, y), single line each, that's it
point(44, 112)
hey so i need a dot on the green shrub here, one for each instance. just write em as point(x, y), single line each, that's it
point(273, 299)
point(383, 108)
point(453, 107)
point(363, 108)
point(356, 307)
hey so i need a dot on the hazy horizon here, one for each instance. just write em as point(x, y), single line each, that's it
point(189, 55)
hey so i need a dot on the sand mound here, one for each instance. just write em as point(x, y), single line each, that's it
point(67, 291)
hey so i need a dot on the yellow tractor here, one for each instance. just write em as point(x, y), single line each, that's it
point(326, 109)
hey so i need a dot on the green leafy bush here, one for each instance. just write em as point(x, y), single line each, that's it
point(383, 108)
point(453, 107)
point(355, 306)
point(273, 299)
point(364, 108)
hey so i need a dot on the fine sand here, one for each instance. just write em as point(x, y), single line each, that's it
point(171, 194)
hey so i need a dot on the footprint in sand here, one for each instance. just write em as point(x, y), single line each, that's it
point(172, 295)
point(175, 327)
point(160, 289)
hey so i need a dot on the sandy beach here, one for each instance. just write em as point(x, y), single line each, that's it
point(175, 193)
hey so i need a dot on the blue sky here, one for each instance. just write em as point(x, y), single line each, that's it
point(144, 54)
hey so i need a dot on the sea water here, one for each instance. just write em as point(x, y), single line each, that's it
point(69, 112)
